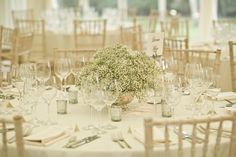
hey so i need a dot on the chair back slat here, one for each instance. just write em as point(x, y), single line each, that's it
point(232, 55)
point(167, 144)
point(206, 141)
point(17, 121)
point(200, 145)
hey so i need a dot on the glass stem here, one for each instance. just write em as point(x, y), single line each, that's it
point(49, 118)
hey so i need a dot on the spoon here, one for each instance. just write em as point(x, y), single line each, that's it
point(186, 135)
point(121, 138)
point(116, 139)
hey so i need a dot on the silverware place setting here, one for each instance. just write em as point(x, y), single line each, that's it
point(73, 142)
point(118, 138)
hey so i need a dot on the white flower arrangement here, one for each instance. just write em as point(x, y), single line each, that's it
point(135, 71)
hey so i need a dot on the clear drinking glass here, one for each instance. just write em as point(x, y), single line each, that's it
point(49, 93)
point(110, 93)
point(213, 92)
point(43, 71)
point(5, 86)
point(62, 68)
point(86, 90)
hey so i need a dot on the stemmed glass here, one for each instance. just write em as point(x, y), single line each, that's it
point(48, 94)
point(172, 94)
point(98, 102)
point(62, 68)
point(5, 84)
point(16, 80)
point(86, 90)
point(76, 65)
point(194, 75)
point(43, 71)
point(213, 92)
point(110, 93)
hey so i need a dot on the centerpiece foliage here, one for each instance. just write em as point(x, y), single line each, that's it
point(134, 71)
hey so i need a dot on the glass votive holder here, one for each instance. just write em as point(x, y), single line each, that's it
point(73, 96)
point(166, 109)
point(61, 106)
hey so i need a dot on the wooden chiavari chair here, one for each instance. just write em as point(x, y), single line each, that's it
point(37, 27)
point(148, 24)
point(176, 44)
point(27, 14)
point(7, 41)
point(23, 47)
point(17, 121)
point(175, 28)
point(232, 50)
point(132, 37)
point(89, 34)
point(68, 53)
point(197, 147)
point(206, 58)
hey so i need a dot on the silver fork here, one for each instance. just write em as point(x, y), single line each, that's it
point(187, 136)
point(115, 139)
point(121, 138)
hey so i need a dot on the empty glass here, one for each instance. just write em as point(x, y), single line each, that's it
point(49, 93)
point(43, 71)
point(62, 69)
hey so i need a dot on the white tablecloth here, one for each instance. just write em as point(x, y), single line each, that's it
point(104, 147)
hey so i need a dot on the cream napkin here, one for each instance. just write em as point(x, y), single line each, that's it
point(158, 133)
point(48, 136)
point(226, 95)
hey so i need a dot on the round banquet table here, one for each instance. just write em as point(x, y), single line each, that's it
point(78, 114)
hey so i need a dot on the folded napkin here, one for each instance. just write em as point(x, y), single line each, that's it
point(158, 134)
point(47, 136)
point(226, 95)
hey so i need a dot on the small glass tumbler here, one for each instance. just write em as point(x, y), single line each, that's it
point(73, 96)
point(61, 106)
point(166, 109)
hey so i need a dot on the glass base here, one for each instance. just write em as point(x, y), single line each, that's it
point(109, 127)
point(211, 112)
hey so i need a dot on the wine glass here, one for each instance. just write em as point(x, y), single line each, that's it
point(27, 73)
point(77, 64)
point(17, 81)
point(110, 93)
point(213, 92)
point(194, 75)
point(5, 85)
point(62, 68)
point(86, 90)
point(49, 92)
point(172, 94)
point(43, 71)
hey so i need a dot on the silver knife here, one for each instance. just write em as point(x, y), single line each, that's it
point(83, 141)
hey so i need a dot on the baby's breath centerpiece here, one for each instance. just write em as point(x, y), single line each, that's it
point(134, 71)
